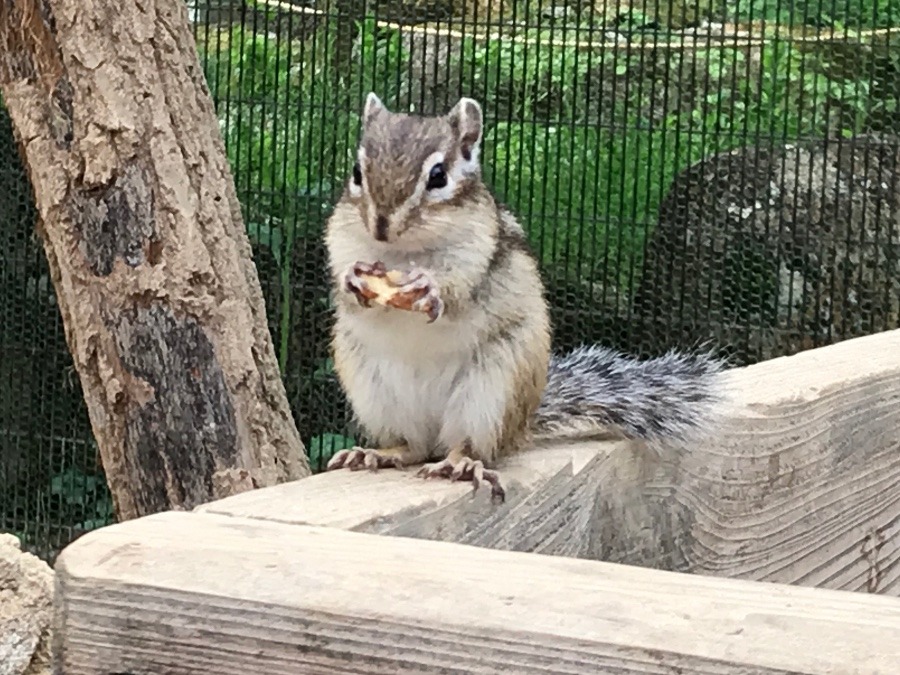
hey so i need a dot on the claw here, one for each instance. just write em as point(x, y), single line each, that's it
point(429, 302)
point(432, 305)
point(357, 458)
point(466, 469)
point(354, 283)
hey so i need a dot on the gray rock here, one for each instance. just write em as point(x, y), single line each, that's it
point(26, 610)
point(777, 249)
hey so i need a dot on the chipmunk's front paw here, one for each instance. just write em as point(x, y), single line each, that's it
point(356, 284)
point(420, 284)
point(365, 458)
point(467, 469)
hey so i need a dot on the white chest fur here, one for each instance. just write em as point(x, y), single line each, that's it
point(404, 369)
point(407, 371)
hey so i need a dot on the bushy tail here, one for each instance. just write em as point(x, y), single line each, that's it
point(597, 391)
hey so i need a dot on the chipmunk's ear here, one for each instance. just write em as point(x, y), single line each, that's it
point(372, 109)
point(466, 119)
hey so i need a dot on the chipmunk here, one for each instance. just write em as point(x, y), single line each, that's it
point(459, 374)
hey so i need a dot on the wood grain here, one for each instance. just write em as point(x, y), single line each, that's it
point(801, 486)
point(199, 593)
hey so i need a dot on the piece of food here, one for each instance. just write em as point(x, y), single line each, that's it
point(413, 292)
point(382, 287)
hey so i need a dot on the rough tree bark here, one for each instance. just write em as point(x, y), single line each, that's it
point(161, 303)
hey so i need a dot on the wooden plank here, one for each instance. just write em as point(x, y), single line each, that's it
point(801, 486)
point(196, 593)
point(392, 502)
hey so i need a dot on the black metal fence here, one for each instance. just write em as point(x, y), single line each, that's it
point(686, 172)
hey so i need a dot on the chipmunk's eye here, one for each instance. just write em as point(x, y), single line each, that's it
point(437, 178)
point(357, 174)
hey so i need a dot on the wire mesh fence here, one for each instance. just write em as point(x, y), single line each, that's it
point(686, 172)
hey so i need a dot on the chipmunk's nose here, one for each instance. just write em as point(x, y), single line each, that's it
point(381, 228)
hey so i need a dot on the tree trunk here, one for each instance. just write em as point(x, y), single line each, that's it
point(159, 296)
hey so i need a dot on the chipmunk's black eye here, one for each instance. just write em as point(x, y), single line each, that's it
point(357, 174)
point(437, 177)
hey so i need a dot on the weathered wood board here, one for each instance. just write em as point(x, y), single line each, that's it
point(196, 593)
point(801, 486)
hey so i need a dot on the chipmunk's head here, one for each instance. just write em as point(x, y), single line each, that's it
point(410, 167)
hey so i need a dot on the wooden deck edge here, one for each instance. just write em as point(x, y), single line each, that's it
point(204, 593)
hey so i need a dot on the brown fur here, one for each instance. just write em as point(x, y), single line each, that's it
point(493, 338)
point(395, 149)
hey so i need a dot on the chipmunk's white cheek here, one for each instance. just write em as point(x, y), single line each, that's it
point(466, 167)
point(355, 190)
point(444, 193)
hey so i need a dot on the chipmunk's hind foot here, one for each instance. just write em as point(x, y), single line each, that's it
point(459, 467)
point(357, 458)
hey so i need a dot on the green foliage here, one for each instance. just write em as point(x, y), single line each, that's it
point(382, 62)
point(280, 135)
point(557, 152)
point(85, 493)
point(578, 168)
point(785, 101)
point(582, 144)
point(855, 14)
point(528, 78)
point(73, 497)
point(322, 447)
point(575, 185)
